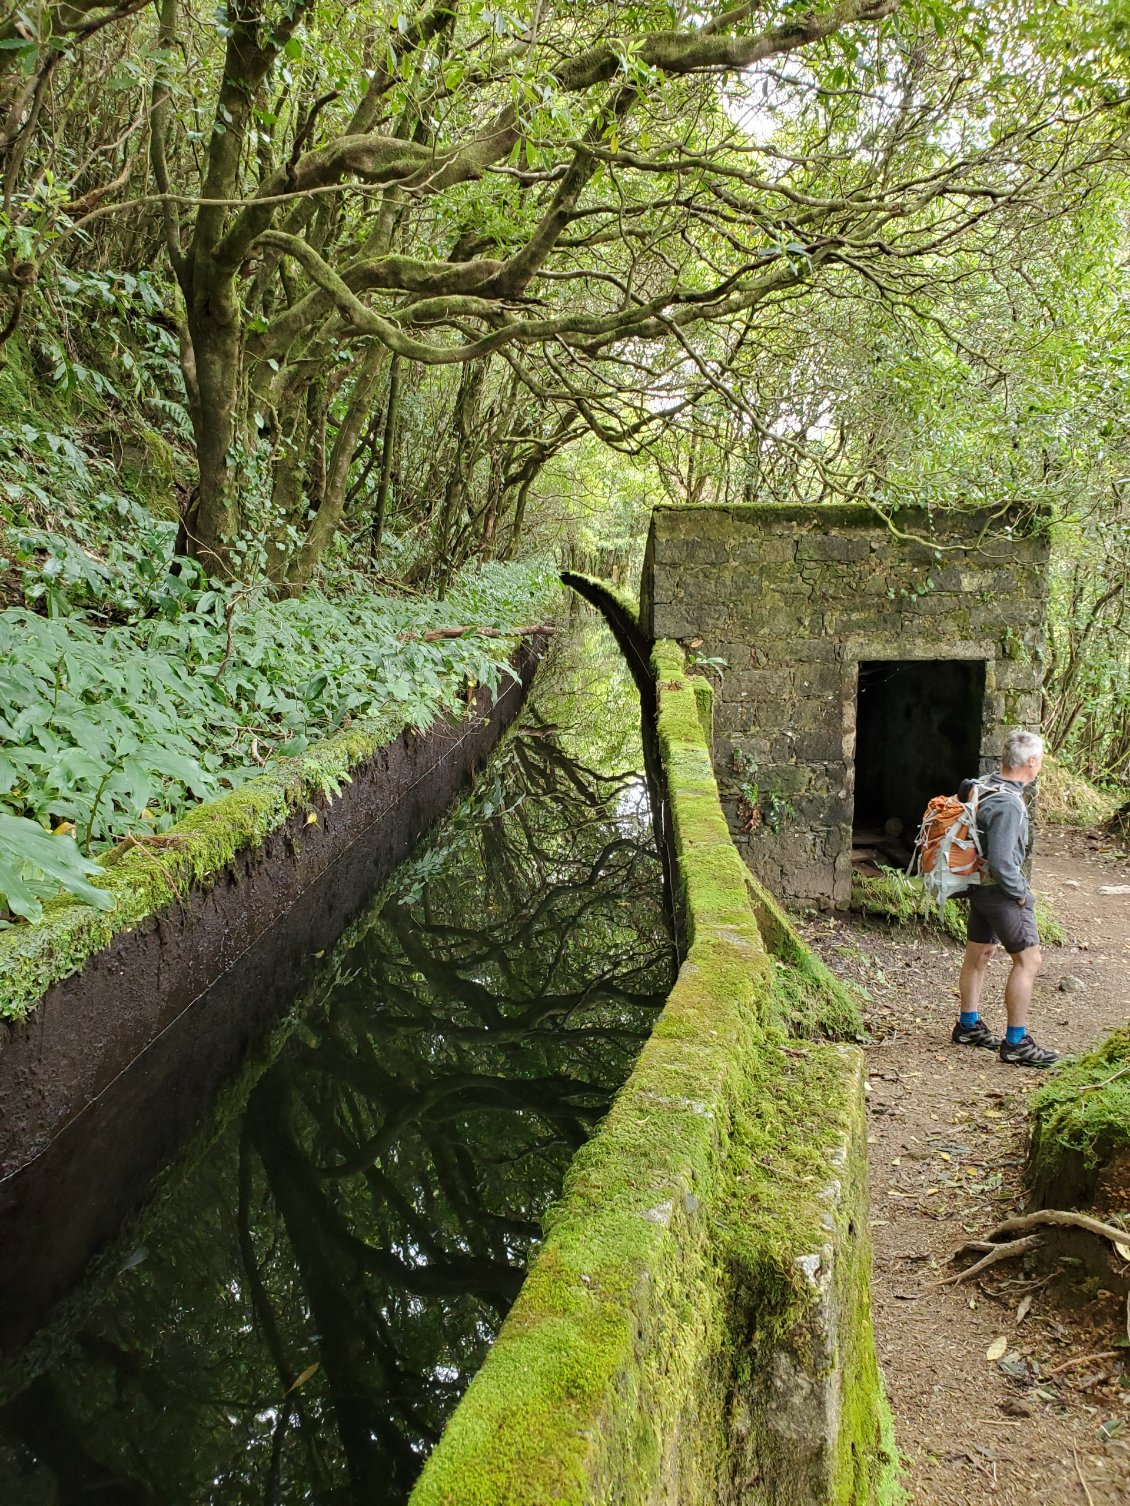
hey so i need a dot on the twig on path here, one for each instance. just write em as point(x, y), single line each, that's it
point(1082, 1478)
point(1007, 1251)
point(1080, 1359)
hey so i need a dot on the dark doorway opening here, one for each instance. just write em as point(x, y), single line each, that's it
point(918, 733)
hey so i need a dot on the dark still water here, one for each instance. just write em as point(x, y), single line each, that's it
point(299, 1313)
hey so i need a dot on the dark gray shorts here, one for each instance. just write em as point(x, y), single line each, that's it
point(994, 917)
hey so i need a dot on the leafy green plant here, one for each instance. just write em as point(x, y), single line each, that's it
point(744, 768)
point(708, 662)
point(112, 731)
point(757, 806)
point(36, 864)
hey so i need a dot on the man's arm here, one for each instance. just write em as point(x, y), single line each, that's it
point(1002, 819)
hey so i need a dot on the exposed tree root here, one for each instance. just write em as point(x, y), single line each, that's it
point(1026, 1240)
point(1061, 1219)
point(1080, 1359)
point(995, 1252)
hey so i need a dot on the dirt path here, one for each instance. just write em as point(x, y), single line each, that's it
point(946, 1145)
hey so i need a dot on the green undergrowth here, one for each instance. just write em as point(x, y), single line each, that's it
point(143, 879)
point(146, 878)
point(894, 897)
point(688, 1264)
point(1081, 1118)
point(1067, 799)
point(108, 733)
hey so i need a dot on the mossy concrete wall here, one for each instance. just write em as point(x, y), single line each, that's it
point(794, 600)
point(695, 1327)
point(87, 992)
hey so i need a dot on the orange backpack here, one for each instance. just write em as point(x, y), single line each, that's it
point(947, 852)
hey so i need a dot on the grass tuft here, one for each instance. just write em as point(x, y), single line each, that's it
point(894, 897)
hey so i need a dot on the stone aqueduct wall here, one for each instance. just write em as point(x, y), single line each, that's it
point(695, 1327)
point(794, 600)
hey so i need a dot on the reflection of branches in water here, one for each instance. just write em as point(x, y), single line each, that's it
point(376, 1208)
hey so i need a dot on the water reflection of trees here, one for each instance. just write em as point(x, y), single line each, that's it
point(373, 1211)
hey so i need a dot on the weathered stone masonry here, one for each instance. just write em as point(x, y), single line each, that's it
point(796, 600)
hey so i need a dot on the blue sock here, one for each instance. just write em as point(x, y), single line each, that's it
point(968, 1016)
point(1014, 1034)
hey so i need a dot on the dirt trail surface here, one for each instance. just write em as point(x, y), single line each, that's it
point(946, 1153)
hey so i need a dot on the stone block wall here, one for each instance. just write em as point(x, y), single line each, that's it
point(794, 599)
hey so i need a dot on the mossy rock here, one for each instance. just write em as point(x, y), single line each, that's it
point(1080, 1123)
point(149, 468)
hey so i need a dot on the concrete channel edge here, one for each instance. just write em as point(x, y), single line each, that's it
point(696, 1326)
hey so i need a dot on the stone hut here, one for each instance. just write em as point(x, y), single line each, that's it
point(869, 663)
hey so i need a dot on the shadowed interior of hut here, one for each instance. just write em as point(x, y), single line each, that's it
point(918, 734)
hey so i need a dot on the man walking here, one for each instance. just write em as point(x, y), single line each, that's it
point(1002, 909)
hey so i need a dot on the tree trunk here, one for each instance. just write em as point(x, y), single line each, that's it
point(214, 332)
point(391, 415)
point(325, 522)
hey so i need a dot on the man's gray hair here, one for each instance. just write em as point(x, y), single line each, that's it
point(1019, 747)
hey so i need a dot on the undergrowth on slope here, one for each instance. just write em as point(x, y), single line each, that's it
point(1067, 799)
point(894, 897)
point(108, 731)
point(132, 688)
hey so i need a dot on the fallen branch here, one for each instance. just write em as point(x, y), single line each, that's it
point(1007, 1251)
point(144, 845)
point(1094, 1087)
point(484, 632)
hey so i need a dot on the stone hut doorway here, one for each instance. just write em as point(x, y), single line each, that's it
point(939, 616)
point(918, 733)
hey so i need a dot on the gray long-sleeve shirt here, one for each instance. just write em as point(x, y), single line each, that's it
point(1002, 823)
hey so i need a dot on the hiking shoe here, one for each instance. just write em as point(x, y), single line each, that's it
point(1026, 1053)
point(977, 1034)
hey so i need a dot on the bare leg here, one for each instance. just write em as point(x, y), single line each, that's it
point(1021, 980)
point(977, 954)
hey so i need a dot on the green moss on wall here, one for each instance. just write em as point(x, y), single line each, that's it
point(643, 1358)
point(1080, 1120)
point(596, 586)
point(810, 1000)
point(145, 879)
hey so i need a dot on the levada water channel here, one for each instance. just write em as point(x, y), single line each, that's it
point(300, 1306)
